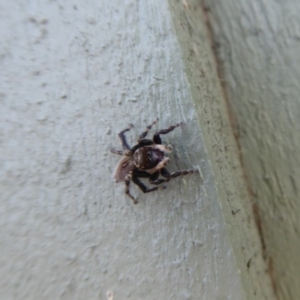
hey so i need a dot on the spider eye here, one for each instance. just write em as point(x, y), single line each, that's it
point(149, 156)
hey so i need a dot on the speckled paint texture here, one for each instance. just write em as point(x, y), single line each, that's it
point(73, 74)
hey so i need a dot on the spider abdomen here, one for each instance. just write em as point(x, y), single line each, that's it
point(123, 168)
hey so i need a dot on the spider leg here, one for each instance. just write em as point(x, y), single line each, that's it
point(168, 176)
point(141, 174)
point(144, 134)
point(127, 188)
point(154, 177)
point(142, 143)
point(116, 151)
point(143, 187)
point(123, 138)
point(156, 136)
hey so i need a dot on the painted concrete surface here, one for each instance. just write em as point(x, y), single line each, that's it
point(211, 105)
point(73, 74)
point(258, 44)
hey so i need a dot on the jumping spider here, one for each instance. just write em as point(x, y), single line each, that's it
point(145, 160)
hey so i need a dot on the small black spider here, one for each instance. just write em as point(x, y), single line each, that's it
point(145, 160)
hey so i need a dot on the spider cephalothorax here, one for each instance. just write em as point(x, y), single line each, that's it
point(145, 160)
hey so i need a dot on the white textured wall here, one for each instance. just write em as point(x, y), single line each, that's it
point(73, 74)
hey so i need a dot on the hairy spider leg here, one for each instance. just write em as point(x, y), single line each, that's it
point(127, 188)
point(143, 174)
point(142, 143)
point(143, 187)
point(144, 134)
point(123, 138)
point(134, 177)
point(156, 137)
point(168, 176)
point(116, 151)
